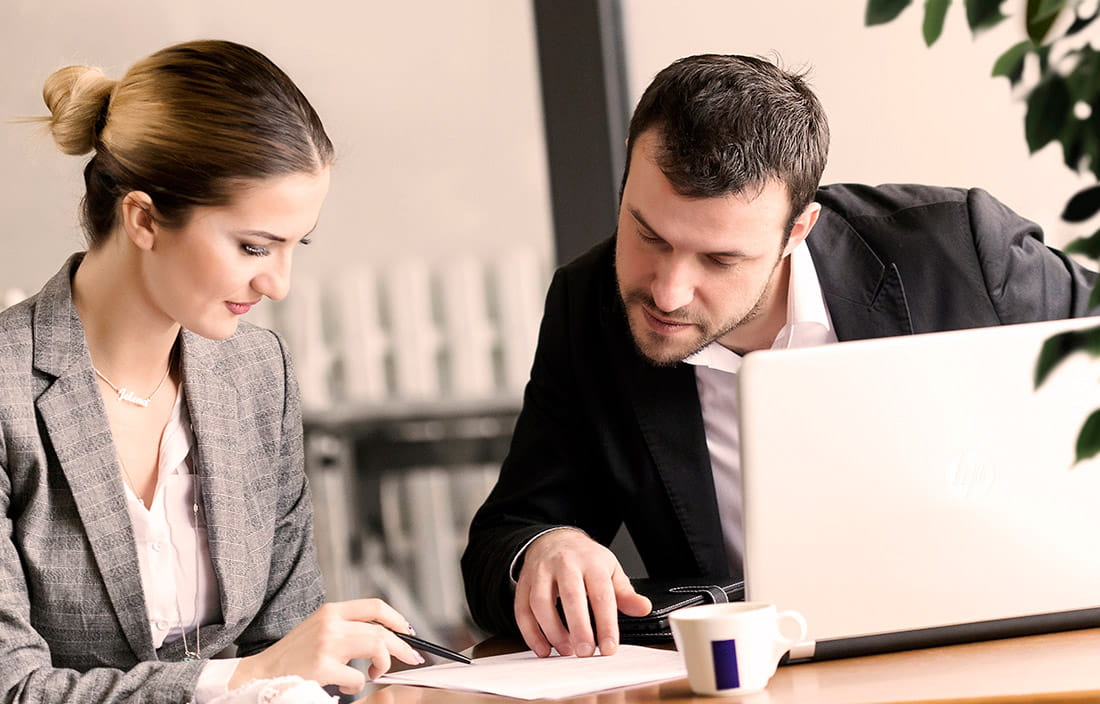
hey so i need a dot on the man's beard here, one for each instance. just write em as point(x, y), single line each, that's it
point(707, 332)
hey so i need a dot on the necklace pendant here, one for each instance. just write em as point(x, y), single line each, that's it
point(128, 396)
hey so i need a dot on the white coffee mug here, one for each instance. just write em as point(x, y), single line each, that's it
point(732, 648)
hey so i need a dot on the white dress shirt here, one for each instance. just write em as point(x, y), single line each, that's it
point(173, 552)
point(808, 324)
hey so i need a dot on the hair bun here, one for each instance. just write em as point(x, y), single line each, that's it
point(77, 97)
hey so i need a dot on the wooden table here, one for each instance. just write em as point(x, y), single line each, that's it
point(1057, 667)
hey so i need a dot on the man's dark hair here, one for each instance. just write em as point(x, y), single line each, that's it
point(728, 124)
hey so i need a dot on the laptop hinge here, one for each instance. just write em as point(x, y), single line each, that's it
point(803, 650)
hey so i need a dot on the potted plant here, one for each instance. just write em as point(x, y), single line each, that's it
point(1063, 105)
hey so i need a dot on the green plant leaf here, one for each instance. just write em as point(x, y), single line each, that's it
point(1043, 9)
point(1083, 78)
point(1054, 350)
point(1088, 246)
point(1058, 347)
point(1088, 439)
point(1048, 110)
point(1083, 205)
point(1073, 143)
point(1011, 63)
point(1041, 15)
point(1081, 142)
point(1091, 138)
point(1094, 296)
point(935, 11)
point(1043, 53)
point(883, 11)
point(983, 14)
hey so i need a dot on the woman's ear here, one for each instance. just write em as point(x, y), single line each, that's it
point(137, 219)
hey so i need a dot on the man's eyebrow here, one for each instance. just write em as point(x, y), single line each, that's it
point(641, 221)
point(649, 228)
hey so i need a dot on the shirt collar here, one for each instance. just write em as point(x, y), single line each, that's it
point(176, 441)
point(808, 321)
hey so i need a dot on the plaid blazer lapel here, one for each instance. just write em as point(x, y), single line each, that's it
point(215, 420)
point(72, 410)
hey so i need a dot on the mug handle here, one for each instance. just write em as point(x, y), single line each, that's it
point(784, 644)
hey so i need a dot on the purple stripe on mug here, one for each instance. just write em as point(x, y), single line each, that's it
point(724, 653)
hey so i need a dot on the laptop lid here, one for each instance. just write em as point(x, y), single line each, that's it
point(915, 491)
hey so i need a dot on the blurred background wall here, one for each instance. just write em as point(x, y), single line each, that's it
point(434, 108)
point(414, 312)
point(432, 105)
point(898, 111)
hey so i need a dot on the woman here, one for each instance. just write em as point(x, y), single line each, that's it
point(155, 509)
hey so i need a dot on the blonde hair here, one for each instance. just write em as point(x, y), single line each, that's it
point(189, 125)
point(77, 97)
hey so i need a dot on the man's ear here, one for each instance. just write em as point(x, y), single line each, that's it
point(137, 219)
point(802, 226)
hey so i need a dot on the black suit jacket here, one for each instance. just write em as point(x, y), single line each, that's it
point(606, 438)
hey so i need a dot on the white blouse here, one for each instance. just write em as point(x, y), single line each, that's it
point(173, 552)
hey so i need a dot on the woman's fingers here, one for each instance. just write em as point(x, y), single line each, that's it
point(320, 647)
point(367, 610)
point(377, 643)
point(347, 678)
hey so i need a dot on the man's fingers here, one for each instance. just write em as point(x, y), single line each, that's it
point(544, 605)
point(532, 634)
point(570, 566)
point(602, 599)
point(528, 624)
point(574, 604)
point(629, 601)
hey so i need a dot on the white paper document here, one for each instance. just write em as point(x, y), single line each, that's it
point(526, 676)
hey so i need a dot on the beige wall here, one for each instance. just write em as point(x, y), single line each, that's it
point(899, 111)
point(433, 106)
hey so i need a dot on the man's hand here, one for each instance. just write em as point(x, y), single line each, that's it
point(569, 565)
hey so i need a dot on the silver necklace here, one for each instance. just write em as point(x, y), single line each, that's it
point(188, 654)
point(129, 396)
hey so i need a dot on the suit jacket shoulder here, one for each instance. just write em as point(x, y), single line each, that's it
point(924, 258)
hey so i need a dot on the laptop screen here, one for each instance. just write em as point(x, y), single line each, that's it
point(920, 482)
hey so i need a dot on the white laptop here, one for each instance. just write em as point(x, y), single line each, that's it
point(916, 491)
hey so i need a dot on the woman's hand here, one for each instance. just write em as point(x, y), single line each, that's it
point(320, 647)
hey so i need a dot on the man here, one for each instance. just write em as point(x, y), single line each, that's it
point(630, 414)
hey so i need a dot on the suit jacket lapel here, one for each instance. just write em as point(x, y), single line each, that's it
point(666, 404)
point(212, 404)
point(865, 297)
point(72, 410)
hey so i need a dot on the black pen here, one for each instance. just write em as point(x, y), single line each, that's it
point(427, 647)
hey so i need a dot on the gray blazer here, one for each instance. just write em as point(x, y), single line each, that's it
point(73, 626)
